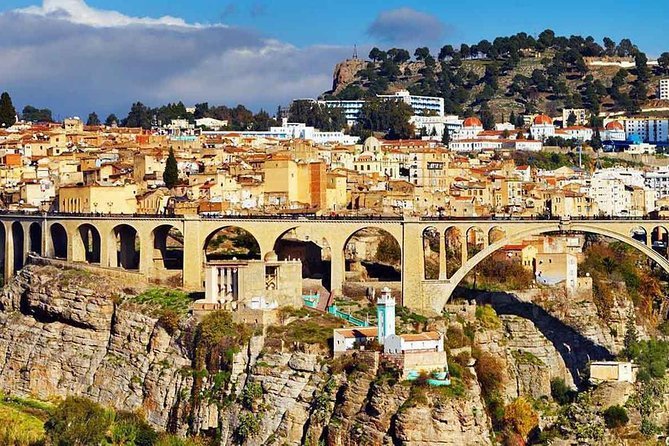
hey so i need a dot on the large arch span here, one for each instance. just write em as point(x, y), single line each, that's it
point(438, 301)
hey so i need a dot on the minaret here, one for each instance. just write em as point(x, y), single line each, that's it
point(385, 314)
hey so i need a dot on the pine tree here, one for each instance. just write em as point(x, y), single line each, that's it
point(446, 137)
point(7, 111)
point(111, 120)
point(93, 119)
point(631, 340)
point(171, 174)
point(512, 118)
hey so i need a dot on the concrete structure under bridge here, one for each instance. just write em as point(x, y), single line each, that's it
point(139, 243)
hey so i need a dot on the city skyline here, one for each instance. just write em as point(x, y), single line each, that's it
point(76, 57)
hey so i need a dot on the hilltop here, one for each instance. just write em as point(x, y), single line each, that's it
point(518, 74)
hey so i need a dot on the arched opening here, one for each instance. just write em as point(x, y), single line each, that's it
point(453, 239)
point(231, 242)
point(431, 251)
point(3, 245)
point(475, 241)
point(373, 260)
point(58, 241)
point(168, 248)
point(91, 243)
point(19, 248)
point(496, 234)
point(35, 234)
point(639, 234)
point(659, 239)
point(313, 251)
point(127, 244)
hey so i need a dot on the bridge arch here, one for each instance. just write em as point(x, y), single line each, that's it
point(371, 252)
point(168, 247)
point(87, 244)
point(58, 241)
point(18, 241)
point(431, 256)
point(622, 235)
point(495, 234)
point(312, 248)
point(241, 244)
point(125, 247)
point(35, 237)
point(455, 250)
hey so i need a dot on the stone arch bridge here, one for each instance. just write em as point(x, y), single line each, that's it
point(138, 243)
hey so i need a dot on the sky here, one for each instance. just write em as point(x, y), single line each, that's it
point(78, 56)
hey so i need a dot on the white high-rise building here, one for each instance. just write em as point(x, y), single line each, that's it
point(663, 89)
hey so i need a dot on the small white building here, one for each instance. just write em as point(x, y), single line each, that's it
point(613, 371)
point(348, 338)
point(430, 341)
point(663, 89)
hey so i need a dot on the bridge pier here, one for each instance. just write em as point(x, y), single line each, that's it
point(9, 251)
point(194, 257)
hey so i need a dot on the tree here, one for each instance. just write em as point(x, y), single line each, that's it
point(446, 137)
point(521, 417)
point(388, 250)
point(446, 51)
point(512, 118)
point(376, 54)
point(7, 111)
point(93, 119)
point(33, 114)
point(422, 53)
point(139, 116)
point(663, 62)
point(609, 46)
point(615, 416)
point(641, 63)
point(631, 340)
point(571, 119)
point(77, 421)
point(464, 51)
point(111, 120)
point(171, 173)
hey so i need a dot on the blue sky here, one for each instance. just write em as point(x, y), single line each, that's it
point(268, 52)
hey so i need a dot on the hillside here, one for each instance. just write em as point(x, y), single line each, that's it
point(516, 74)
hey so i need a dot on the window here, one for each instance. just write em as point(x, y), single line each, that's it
point(271, 277)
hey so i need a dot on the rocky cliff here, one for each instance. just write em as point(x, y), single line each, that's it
point(72, 332)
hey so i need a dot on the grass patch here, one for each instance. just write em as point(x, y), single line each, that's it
point(310, 329)
point(487, 317)
point(18, 427)
point(525, 357)
point(162, 299)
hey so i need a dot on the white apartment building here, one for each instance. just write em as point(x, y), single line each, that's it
point(433, 126)
point(542, 127)
point(294, 130)
point(663, 89)
point(658, 180)
point(422, 105)
point(647, 129)
point(622, 192)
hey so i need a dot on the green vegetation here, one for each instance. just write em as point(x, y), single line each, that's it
point(32, 114)
point(389, 117)
point(18, 427)
point(388, 250)
point(619, 262)
point(7, 111)
point(525, 357)
point(78, 421)
point(320, 116)
point(310, 329)
point(233, 242)
point(487, 317)
point(615, 416)
point(171, 173)
point(168, 305)
point(495, 273)
point(93, 119)
point(562, 393)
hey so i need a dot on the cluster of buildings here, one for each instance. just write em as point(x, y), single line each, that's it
point(73, 168)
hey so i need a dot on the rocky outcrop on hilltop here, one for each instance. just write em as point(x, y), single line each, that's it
point(346, 72)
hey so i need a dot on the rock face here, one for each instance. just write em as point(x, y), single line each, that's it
point(62, 332)
point(67, 339)
point(345, 72)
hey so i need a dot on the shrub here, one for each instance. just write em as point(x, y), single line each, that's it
point(561, 392)
point(78, 421)
point(490, 371)
point(615, 416)
point(248, 427)
point(521, 417)
point(488, 317)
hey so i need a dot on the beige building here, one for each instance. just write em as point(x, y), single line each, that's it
point(613, 371)
point(96, 198)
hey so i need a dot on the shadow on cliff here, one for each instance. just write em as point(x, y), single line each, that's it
point(576, 350)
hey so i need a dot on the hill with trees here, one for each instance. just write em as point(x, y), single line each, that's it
point(511, 75)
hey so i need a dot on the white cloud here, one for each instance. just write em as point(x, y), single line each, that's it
point(75, 59)
point(77, 11)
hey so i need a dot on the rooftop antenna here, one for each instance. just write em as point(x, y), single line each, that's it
point(355, 51)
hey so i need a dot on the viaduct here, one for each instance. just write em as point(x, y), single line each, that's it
point(139, 243)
